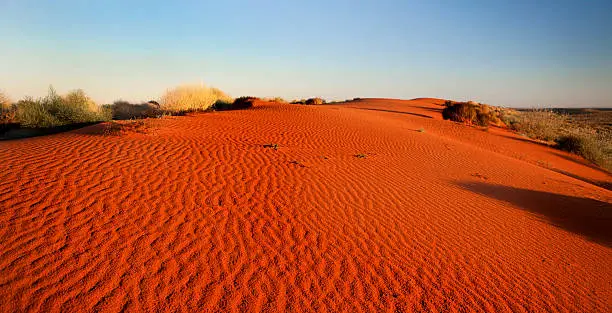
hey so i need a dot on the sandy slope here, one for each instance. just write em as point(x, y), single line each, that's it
point(197, 215)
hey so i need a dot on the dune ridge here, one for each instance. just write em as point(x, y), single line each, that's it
point(198, 215)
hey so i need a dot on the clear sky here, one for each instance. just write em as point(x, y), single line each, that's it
point(516, 53)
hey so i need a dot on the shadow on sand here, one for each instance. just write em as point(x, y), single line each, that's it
point(391, 111)
point(19, 133)
point(583, 216)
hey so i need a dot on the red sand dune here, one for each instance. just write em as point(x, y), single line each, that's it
point(197, 215)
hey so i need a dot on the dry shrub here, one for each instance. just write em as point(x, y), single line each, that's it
point(587, 146)
point(237, 104)
point(192, 98)
point(8, 114)
point(5, 102)
point(311, 101)
point(53, 110)
point(541, 124)
point(123, 110)
point(470, 113)
point(301, 101)
point(315, 101)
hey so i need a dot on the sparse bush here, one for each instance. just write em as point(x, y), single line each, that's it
point(54, 110)
point(311, 101)
point(192, 98)
point(301, 101)
point(586, 146)
point(469, 113)
point(237, 104)
point(123, 110)
point(315, 101)
point(7, 112)
point(5, 102)
point(541, 124)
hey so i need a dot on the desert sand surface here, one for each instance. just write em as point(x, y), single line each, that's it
point(196, 215)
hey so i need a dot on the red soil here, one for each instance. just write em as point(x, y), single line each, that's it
point(197, 215)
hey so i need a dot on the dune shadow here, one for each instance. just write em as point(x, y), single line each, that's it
point(20, 133)
point(430, 109)
point(392, 111)
point(583, 216)
point(604, 185)
point(529, 140)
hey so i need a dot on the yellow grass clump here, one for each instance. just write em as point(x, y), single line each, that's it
point(192, 98)
point(5, 102)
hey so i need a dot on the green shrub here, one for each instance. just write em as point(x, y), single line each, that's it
point(54, 110)
point(192, 98)
point(584, 145)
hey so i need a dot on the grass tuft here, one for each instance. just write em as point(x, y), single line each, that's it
point(192, 98)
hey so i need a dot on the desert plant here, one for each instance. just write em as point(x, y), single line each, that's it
point(273, 146)
point(584, 145)
point(301, 101)
point(7, 113)
point(237, 104)
point(279, 100)
point(5, 102)
point(467, 112)
point(567, 133)
point(123, 110)
point(192, 98)
point(54, 110)
point(541, 124)
point(315, 101)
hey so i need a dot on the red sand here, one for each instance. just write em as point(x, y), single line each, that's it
point(198, 216)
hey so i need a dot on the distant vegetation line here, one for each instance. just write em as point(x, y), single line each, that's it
point(586, 132)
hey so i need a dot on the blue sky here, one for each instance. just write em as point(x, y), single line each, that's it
point(516, 53)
